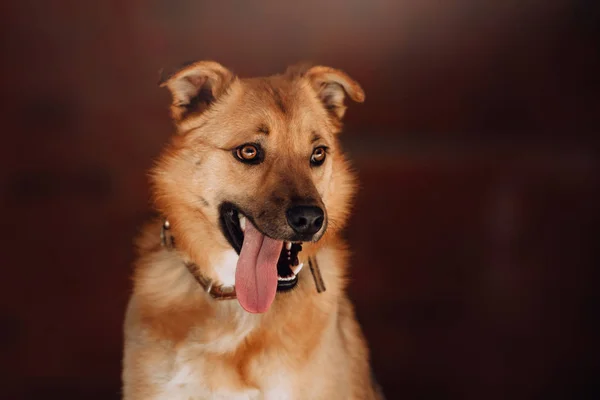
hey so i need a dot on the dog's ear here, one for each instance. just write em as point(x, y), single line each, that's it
point(332, 86)
point(195, 86)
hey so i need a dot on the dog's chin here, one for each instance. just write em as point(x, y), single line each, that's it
point(233, 222)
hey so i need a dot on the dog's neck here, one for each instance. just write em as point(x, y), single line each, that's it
point(220, 290)
point(216, 290)
point(170, 288)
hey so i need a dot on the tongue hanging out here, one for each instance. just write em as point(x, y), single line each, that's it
point(256, 273)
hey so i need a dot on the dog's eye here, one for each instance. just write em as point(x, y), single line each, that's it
point(249, 153)
point(318, 156)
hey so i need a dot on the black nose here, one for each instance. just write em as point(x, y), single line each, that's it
point(305, 219)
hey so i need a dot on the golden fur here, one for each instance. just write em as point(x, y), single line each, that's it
point(181, 344)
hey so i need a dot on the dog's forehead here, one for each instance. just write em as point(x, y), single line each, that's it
point(282, 103)
point(273, 110)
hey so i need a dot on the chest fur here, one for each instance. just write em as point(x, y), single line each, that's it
point(195, 378)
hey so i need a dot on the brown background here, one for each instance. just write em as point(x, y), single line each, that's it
point(474, 268)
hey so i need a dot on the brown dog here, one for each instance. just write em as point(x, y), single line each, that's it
point(252, 187)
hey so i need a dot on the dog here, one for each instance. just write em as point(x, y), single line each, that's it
point(239, 283)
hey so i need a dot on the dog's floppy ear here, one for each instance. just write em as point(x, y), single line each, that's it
point(332, 86)
point(195, 86)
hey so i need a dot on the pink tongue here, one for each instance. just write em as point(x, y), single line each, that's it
point(256, 273)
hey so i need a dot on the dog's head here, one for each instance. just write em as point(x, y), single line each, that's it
point(258, 160)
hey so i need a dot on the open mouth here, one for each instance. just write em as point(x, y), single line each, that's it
point(234, 223)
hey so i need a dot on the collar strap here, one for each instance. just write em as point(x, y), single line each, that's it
point(216, 291)
point(316, 273)
point(224, 292)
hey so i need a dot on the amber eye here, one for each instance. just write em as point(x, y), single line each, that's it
point(318, 156)
point(249, 153)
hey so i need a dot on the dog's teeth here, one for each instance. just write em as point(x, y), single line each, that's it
point(288, 245)
point(243, 223)
point(286, 278)
point(297, 268)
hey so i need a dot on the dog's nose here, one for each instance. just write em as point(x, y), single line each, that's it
point(305, 219)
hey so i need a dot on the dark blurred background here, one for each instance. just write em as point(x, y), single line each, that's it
point(474, 268)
